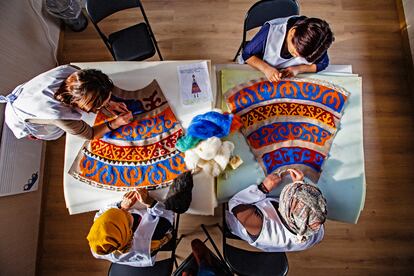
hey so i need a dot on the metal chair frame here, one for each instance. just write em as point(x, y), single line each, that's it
point(226, 234)
point(190, 257)
point(105, 38)
point(174, 246)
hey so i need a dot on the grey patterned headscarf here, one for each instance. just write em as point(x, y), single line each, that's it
point(303, 208)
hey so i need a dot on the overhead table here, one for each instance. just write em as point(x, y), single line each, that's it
point(343, 177)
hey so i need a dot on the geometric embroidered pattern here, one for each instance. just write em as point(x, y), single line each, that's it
point(293, 155)
point(261, 113)
point(140, 154)
point(290, 123)
point(283, 131)
point(133, 153)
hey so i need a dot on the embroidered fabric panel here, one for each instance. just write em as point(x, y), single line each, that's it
point(141, 154)
point(290, 123)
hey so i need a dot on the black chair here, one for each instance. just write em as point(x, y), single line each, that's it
point(133, 43)
point(245, 262)
point(160, 268)
point(190, 264)
point(264, 11)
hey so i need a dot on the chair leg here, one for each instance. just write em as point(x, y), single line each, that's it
point(238, 51)
point(228, 268)
point(175, 234)
point(212, 242)
point(150, 30)
point(158, 50)
point(179, 240)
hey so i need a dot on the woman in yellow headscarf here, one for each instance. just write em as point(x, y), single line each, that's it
point(123, 234)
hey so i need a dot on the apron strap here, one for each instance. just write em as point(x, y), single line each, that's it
point(8, 99)
point(12, 96)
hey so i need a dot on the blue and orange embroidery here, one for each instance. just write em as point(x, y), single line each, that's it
point(290, 122)
point(141, 154)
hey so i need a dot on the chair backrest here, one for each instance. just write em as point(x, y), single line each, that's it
point(266, 10)
point(99, 9)
point(245, 258)
point(163, 267)
point(227, 234)
point(190, 264)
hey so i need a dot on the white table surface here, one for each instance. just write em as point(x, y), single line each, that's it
point(81, 197)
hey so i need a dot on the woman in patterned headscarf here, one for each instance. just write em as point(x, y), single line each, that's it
point(292, 223)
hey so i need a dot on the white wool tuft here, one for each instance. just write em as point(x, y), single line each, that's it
point(208, 149)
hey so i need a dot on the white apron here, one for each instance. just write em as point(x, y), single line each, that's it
point(274, 44)
point(140, 252)
point(274, 237)
point(34, 100)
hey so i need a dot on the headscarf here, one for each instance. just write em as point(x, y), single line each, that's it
point(110, 232)
point(303, 208)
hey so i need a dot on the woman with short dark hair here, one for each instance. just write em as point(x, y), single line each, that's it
point(295, 44)
point(50, 104)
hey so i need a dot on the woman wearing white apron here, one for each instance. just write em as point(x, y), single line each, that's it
point(51, 104)
point(129, 236)
point(293, 223)
point(294, 44)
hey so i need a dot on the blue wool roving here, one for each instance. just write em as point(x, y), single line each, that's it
point(210, 124)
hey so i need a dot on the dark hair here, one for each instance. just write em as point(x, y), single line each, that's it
point(85, 89)
point(312, 38)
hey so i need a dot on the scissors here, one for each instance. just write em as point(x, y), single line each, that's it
point(31, 181)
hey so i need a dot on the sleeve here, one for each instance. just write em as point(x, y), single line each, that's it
point(256, 46)
point(158, 210)
point(74, 127)
point(322, 62)
point(62, 72)
point(250, 195)
point(106, 208)
point(116, 99)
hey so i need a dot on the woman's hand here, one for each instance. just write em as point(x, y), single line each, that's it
point(271, 182)
point(144, 197)
point(117, 107)
point(129, 200)
point(296, 174)
point(272, 74)
point(121, 120)
point(290, 72)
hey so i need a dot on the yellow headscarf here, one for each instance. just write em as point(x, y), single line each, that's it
point(110, 232)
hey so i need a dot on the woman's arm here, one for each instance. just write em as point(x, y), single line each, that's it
point(253, 52)
point(121, 120)
point(256, 46)
point(271, 73)
point(319, 65)
point(85, 131)
point(292, 71)
point(253, 193)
